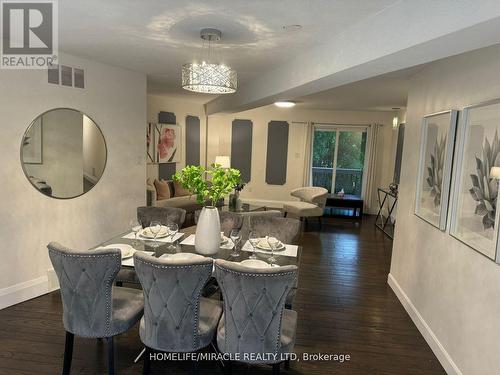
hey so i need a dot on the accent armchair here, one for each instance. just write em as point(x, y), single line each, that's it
point(312, 202)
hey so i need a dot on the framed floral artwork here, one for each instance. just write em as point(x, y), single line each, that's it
point(435, 164)
point(168, 143)
point(474, 219)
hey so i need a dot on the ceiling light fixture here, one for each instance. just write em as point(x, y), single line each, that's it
point(285, 104)
point(209, 77)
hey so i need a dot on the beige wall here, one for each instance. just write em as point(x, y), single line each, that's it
point(451, 291)
point(219, 141)
point(257, 189)
point(116, 99)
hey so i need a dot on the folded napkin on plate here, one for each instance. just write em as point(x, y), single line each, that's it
point(189, 240)
point(130, 236)
point(290, 250)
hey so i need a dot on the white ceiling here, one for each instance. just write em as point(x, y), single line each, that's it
point(157, 37)
point(381, 93)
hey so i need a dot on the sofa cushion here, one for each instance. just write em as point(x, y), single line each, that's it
point(162, 189)
point(179, 191)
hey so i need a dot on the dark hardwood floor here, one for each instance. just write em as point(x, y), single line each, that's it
point(344, 304)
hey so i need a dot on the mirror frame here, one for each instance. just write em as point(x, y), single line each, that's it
point(22, 143)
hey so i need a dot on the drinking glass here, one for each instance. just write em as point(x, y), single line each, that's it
point(235, 237)
point(254, 240)
point(273, 241)
point(155, 227)
point(173, 228)
point(136, 227)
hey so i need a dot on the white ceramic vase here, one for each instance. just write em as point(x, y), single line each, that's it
point(207, 238)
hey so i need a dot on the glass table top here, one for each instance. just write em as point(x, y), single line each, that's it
point(164, 248)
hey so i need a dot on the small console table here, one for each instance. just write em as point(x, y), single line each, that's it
point(353, 202)
point(387, 201)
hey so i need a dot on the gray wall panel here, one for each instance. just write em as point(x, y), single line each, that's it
point(241, 148)
point(277, 152)
point(166, 171)
point(192, 140)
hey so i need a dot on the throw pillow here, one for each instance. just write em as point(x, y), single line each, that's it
point(179, 190)
point(162, 190)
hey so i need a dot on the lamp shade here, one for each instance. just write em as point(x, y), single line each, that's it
point(223, 161)
point(495, 172)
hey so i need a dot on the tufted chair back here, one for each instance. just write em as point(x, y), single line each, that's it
point(165, 215)
point(254, 301)
point(228, 221)
point(287, 229)
point(172, 289)
point(311, 194)
point(86, 280)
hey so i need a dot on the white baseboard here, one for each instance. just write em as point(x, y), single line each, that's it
point(24, 291)
point(442, 355)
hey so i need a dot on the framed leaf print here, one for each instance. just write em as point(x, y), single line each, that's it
point(434, 172)
point(474, 215)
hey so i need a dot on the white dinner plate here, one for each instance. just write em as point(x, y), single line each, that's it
point(255, 263)
point(263, 245)
point(126, 250)
point(147, 233)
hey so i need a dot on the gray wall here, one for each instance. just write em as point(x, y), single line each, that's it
point(277, 152)
point(241, 148)
point(451, 291)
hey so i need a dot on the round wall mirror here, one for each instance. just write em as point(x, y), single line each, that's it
point(63, 153)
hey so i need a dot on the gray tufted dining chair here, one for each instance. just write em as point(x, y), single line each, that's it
point(92, 307)
point(255, 319)
point(176, 317)
point(287, 229)
point(165, 215)
point(145, 215)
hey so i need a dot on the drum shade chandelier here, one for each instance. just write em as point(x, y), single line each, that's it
point(208, 77)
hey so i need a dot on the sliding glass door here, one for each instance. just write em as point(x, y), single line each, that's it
point(338, 158)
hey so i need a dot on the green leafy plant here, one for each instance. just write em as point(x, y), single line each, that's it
point(435, 170)
point(208, 184)
point(485, 189)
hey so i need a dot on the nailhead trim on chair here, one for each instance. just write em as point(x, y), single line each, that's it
point(109, 288)
point(278, 341)
point(196, 343)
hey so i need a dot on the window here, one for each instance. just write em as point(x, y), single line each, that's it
point(338, 158)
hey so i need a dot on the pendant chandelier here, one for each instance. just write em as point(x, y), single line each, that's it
point(209, 77)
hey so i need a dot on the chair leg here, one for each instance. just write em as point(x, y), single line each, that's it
point(319, 220)
point(68, 352)
point(147, 362)
point(276, 369)
point(119, 283)
point(194, 367)
point(284, 215)
point(111, 355)
point(287, 364)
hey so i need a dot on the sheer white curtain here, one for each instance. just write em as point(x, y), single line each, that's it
point(370, 193)
point(308, 154)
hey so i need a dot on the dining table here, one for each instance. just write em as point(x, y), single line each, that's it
point(162, 248)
